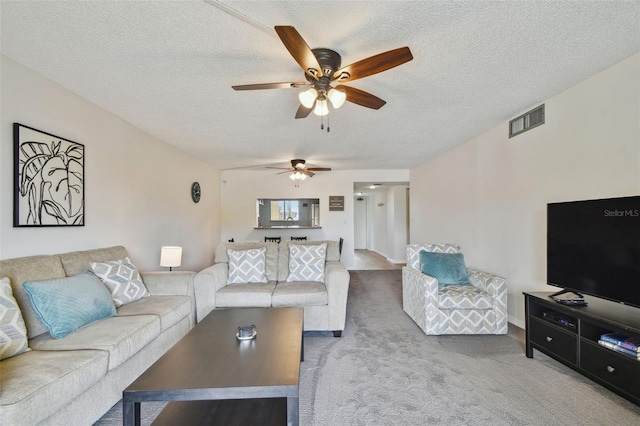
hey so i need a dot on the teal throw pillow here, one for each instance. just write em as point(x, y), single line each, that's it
point(447, 268)
point(66, 304)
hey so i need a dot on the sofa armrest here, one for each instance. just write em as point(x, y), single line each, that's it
point(420, 298)
point(336, 279)
point(164, 283)
point(206, 283)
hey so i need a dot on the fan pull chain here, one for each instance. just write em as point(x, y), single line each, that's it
point(321, 122)
point(328, 128)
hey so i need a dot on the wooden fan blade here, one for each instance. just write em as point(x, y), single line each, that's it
point(281, 173)
point(319, 169)
point(268, 86)
point(299, 49)
point(278, 168)
point(303, 111)
point(307, 172)
point(373, 65)
point(363, 98)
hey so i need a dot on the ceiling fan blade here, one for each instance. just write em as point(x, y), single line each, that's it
point(373, 65)
point(319, 169)
point(299, 49)
point(363, 98)
point(281, 173)
point(278, 168)
point(303, 111)
point(268, 86)
point(307, 172)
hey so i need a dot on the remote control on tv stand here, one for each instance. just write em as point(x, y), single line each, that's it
point(572, 302)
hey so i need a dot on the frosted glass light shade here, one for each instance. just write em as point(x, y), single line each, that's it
point(308, 97)
point(170, 256)
point(297, 176)
point(337, 97)
point(321, 107)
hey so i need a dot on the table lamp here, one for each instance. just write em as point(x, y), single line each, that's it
point(170, 256)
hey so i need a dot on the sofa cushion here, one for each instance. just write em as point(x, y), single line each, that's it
point(333, 254)
point(271, 255)
point(256, 295)
point(463, 297)
point(13, 332)
point(299, 294)
point(122, 278)
point(121, 337)
point(66, 304)
point(27, 398)
point(447, 268)
point(247, 266)
point(79, 261)
point(31, 268)
point(306, 262)
point(170, 309)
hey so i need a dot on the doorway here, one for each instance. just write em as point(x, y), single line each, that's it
point(360, 223)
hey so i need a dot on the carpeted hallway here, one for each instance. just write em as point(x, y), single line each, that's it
point(385, 371)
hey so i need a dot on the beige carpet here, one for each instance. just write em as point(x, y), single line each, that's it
point(385, 371)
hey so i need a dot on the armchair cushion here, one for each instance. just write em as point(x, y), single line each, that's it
point(447, 268)
point(463, 297)
point(247, 266)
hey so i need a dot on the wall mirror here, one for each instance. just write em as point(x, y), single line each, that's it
point(288, 213)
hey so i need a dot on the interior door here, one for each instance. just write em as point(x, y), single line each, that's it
point(360, 223)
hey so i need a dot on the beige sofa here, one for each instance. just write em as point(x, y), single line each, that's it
point(324, 303)
point(76, 379)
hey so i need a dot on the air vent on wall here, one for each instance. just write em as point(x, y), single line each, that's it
point(526, 121)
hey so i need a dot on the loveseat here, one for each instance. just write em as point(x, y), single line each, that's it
point(75, 379)
point(324, 302)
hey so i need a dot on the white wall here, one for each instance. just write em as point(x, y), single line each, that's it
point(397, 223)
point(490, 194)
point(137, 188)
point(241, 188)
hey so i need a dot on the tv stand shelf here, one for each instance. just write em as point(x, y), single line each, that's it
point(575, 343)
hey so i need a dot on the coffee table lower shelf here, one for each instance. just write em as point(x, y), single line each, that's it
point(246, 412)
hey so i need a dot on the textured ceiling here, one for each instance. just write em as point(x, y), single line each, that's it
point(168, 67)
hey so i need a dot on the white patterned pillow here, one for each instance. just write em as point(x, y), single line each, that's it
point(13, 332)
point(247, 266)
point(123, 280)
point(306, 262)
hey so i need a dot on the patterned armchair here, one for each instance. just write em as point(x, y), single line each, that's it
point(477, 308)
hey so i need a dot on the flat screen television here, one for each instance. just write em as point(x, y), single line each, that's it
point(593, 247)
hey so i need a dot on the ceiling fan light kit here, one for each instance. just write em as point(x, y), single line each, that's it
point(322, 67)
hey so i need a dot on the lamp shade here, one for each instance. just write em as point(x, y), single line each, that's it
point(321, 107)
point(337, 97)
point(308, 97)
point(170, 256)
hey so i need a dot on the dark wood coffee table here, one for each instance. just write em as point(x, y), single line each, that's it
point(224, 379)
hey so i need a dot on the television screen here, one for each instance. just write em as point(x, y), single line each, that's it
point(593, 247)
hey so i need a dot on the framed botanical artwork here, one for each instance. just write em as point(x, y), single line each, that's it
point(48, 179)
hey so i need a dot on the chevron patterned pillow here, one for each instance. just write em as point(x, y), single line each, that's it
point(13, 332)
point(306, 262)
point(123, 280)
point(247, 266)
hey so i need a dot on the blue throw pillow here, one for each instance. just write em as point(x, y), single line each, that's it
point(447, 268)
point(66, 304)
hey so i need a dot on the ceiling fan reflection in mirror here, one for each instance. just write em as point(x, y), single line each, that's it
point(322, 68)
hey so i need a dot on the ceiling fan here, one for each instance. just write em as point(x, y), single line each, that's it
point(322, 69)
point(299, 170)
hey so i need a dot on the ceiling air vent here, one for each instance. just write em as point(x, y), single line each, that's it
point(526, 121)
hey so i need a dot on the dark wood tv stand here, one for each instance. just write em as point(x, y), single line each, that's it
point(577, 346)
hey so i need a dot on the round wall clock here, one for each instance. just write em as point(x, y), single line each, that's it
point(195, 192)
